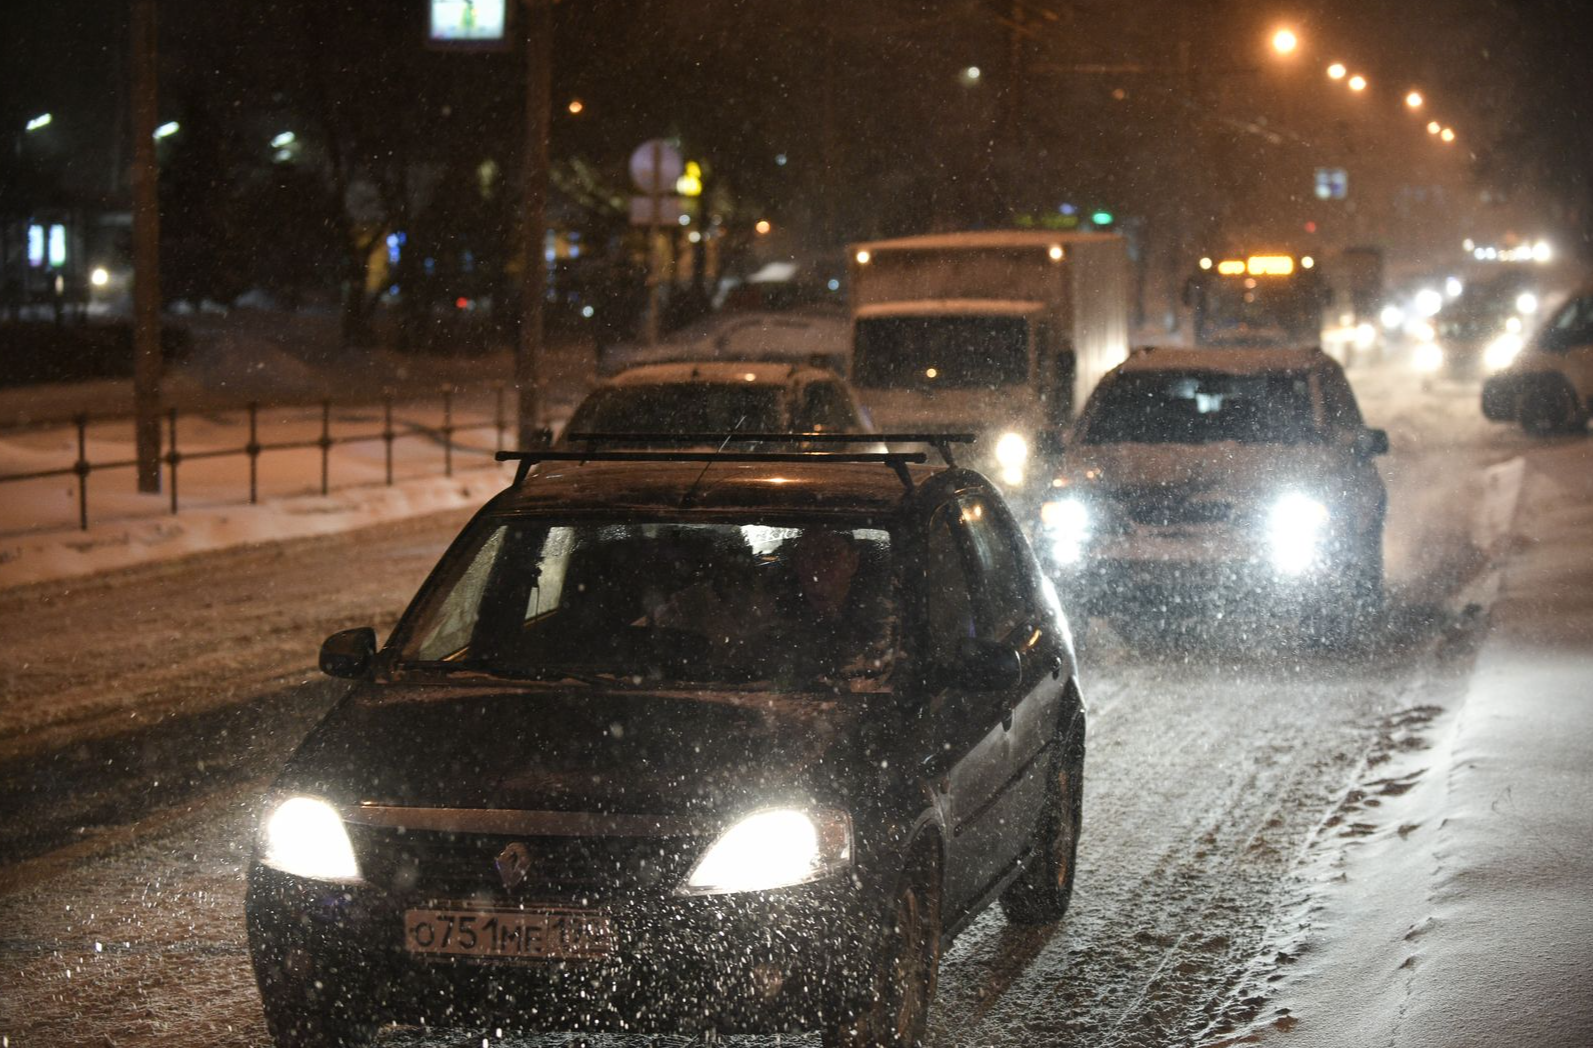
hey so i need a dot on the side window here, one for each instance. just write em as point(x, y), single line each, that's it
point(947, 604)
point(1570, 327)
point(1338, 401)
point(825, 409)
point(1001, 597)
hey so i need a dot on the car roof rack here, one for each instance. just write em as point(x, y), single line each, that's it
point(898, 461)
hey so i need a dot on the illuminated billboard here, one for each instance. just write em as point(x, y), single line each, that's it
point(468, 23)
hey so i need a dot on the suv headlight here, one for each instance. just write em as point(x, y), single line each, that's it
point(1295, 527)
point(775, 848)
point(304, 836)
point(1012, 454)
point(1066, 522)
point(1501, 351)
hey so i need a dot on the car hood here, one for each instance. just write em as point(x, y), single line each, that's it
point(1226, 470)
point(576, 749)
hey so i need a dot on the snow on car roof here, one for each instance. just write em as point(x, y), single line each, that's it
point(951, 307)
point(710, 371)
point(1009, 239)
point(795, 335)
point(1227, 361)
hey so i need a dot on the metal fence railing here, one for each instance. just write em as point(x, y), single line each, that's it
point(173, 457)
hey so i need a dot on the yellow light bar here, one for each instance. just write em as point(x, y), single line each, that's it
point(1231, 267)
point(1269, 265)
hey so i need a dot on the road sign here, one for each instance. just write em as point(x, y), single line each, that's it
point(468, 24)
point(669, 211)
point(655, 166)
point(1332, 183)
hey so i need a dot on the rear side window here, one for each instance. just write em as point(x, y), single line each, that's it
point(948, 605)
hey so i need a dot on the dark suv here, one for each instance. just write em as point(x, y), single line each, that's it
point(680, 742)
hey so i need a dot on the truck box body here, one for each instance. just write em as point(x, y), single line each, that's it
point(1000, 333)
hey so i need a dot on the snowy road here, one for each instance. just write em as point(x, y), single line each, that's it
point(145, 710)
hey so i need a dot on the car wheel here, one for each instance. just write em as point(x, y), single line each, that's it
point(1041, 893)
point(1548, 408)
point(894, 1012)
point(1343, 615)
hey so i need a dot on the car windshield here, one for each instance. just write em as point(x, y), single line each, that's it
point(955, 352)
point(1191, 407)
point(664, 603)
point(682, 407)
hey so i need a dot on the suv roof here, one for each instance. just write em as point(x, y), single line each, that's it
point(718, 372)
point(1225, 361)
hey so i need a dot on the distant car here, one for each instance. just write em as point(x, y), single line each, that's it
point(1548, 387)
point(663, 745)
point(1202, 481)
point(726, 397)
point(812, 336)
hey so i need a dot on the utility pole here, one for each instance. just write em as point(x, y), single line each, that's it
point(530, 358)
point(146, 251)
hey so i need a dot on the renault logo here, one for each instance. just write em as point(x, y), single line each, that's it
point(513, 863)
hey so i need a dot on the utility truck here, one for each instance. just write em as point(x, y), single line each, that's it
point(997, 333)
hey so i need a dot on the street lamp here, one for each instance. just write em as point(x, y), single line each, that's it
point(42, 120)
point(1336, 71)
point(1414, 100)
point(1284, 41)
point(166, 130)
point(575, 106)
point(1447, 134)
point(1433, 127)
point(1357, 82)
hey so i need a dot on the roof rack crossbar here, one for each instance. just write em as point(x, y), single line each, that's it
point(898, 461)
point(941, 442)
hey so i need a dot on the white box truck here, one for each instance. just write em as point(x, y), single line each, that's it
point(999, 333)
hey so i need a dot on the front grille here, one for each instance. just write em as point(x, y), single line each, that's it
point(1164, 512)
point(440, 864)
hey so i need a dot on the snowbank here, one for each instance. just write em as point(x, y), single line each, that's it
point(1446, 899)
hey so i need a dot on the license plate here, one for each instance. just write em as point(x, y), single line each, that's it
point(542, 933)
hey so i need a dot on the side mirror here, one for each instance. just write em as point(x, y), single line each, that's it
point(349, 653)
point(1371, 442)
point(987, 665)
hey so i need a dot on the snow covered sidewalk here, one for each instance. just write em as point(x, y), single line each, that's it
point(1458, 912)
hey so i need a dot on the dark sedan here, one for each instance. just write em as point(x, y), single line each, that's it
point(734, 744)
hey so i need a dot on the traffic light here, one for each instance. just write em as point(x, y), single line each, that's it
point(1101, 217)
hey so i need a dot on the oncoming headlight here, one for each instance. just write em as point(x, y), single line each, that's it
point(304, 836)
point(1012, 454)
point(1429, 357)
point(1294, 531)
point(1067, 526)
point(1501, 351)
point(776, 848)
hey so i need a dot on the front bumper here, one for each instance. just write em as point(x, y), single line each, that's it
point(758, 962)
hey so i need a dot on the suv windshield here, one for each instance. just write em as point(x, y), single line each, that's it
point(957, 352)
point(682, 407)
point(1192, 407)
point(660, 603)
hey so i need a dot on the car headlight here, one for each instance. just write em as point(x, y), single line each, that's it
point(1294, 531)
point(1012, 454)
point(1066, 522)
point(776, 848)
point(1501, 351)
point(304, 836)
point(1429, 357)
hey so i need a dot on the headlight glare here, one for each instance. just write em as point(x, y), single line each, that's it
point(1067, 526)
point(304, 836)
point(1294, 531)
point(1429, 357)
point(776, 848)
point(1501, 351)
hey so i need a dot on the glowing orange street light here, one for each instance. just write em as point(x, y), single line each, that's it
point(1433, 127)
point(1414, 100)
point(1284, 41)
point(762, 226)
point(575, 106)
point(1357, 82)
point(1447, 134)
point(1336, 71)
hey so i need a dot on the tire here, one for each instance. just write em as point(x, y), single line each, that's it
point(1042, 892)
point(1343, 616)
point(894, 1009)
point(1548, 408)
